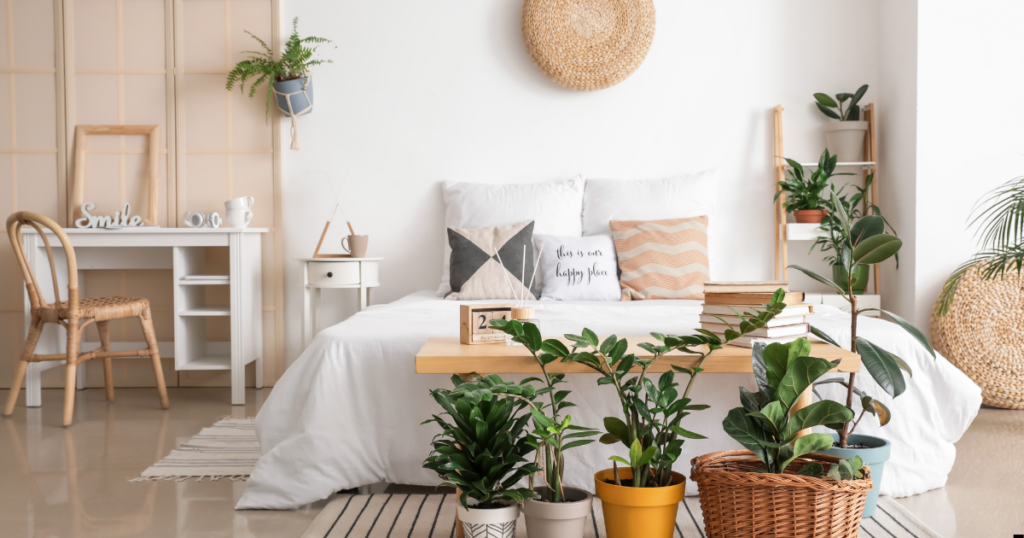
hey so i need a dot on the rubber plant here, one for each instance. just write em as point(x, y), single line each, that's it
point(483, 448)
point(653, 411)
point(553, 434)
point(864, 243)
point(804, 192)
point(764, 424)
point(834, 108)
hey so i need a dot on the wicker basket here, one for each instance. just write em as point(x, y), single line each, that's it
point(738, 503)
point(981, 335)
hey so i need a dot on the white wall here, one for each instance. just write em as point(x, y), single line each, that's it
point(420, 92)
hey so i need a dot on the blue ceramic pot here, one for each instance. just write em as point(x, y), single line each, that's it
point(299, 101)
point(874, 457)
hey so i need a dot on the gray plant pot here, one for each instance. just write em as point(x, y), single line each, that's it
point(874, 457)
point(300, 105)
point(558, 520)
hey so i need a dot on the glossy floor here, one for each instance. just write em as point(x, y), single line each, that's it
point(72, 482)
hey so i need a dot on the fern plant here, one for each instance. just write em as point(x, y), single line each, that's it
point(295, 62)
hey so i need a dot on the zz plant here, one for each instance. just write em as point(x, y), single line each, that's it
point(482, 450)
point(804, 192)
point(834, 108)
point(653, 411)
point(864, 243)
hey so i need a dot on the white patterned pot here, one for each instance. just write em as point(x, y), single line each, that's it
point(489, 523)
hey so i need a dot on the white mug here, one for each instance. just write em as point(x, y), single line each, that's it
point(237, 218)
point(244, 202)
point(194, 220)
point(213, 221)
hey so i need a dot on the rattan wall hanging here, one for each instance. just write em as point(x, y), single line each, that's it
point(588, 44)
point(981, 335)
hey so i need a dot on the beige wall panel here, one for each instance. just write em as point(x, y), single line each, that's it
point(5, 108)
point(253, 175)
point(36, 121)
point(11, 288)
point(33, 33)
point(96, 104)
point(137, 185)
point(131, 373)
point(145, 103)
point(3, 35)
point(12, 338)
point(205, 40)
point(37, 184)
point(95, 32)
point(205, 108)
point(206, 184)
point(249, 127)
point(102, 181)
point(144, 43)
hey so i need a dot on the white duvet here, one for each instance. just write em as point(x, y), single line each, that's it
point(347, 413)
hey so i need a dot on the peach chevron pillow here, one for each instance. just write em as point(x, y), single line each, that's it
point(662, 259)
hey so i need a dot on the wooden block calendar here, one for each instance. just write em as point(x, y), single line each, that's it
point(475, 323)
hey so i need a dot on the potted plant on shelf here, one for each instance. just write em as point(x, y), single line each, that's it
point(804, 194)
point(557, 511)
point(483, 450)
point(641, 499)
point(779, 480)
point(845, 137)
point(864, 243)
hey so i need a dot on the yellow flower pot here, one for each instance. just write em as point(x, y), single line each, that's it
point(638, 512)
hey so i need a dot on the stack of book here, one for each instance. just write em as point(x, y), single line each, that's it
point(722, 300)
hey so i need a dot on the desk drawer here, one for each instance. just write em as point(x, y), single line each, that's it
point(327, 274)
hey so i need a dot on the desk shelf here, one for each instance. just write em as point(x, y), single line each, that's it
point(206, 311)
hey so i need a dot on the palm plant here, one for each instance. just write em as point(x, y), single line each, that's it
point(1000, 215)
point(295, 62)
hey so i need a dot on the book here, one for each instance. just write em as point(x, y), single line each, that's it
point(801, 309)
point(740, 286)
point(712, 298)
point(764, 332)
point(747, 341)
point(777, 321)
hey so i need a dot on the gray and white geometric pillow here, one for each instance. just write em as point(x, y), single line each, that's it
point(475, 270)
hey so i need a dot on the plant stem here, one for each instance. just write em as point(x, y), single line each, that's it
point(844, 434)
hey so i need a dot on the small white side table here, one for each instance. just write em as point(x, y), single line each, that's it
point(349, 273)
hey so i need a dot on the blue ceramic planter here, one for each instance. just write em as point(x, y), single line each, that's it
point(874, 457)
point(300, 105)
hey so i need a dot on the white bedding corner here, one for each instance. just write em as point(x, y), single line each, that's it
point(348, 411)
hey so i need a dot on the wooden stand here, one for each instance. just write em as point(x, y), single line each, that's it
point(316, 253)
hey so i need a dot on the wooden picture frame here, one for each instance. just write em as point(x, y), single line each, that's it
point(77, 197)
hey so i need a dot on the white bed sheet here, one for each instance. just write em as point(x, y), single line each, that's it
point(348, 411)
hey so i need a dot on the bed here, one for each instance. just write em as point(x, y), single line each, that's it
point(347, 413)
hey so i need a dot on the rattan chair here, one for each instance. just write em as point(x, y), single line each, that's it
point(75, 314)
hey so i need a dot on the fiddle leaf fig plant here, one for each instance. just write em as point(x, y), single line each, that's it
point(806, 192)
point(650, 427)
point(483, 444)
point(552, 434)
point(834, 108)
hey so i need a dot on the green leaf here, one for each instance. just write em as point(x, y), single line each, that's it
point(772, 415)
point(824, 336)
point(811, 469)
point(882, 366)
point(616, 427)
point(807, 444)
point(859, 94)
point(590, 338)
point(817, 414)
point(646, 456)
point(825, 100)
point(820, 278)
point(876, 249)
point(745, 431)
point(574, 444)
point(828, 112)
point(609, 439)
point(686, 433)
point(801, 373)
point(917, 334)
point(620, 460)
point(608, 345)
point(555, 347)
point(532, 334)
point(760, 369)
point(866, 227)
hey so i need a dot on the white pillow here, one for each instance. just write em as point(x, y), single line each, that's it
point(578, 268)
point(554, 206)
point(677, 197)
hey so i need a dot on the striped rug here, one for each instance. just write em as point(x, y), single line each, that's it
point(228, 449)
point(385, 515)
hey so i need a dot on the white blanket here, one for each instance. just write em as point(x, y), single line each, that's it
point(347, 413)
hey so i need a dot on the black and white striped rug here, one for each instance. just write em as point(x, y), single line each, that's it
point(228, 449)
point(385, 515)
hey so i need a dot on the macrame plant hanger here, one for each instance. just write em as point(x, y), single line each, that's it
point(291, 111)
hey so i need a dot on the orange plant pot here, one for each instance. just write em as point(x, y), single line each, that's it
point(638, 512)
point(810, 216)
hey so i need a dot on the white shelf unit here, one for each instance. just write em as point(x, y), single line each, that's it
point(800, 231)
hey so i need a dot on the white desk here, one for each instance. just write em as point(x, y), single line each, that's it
point(351, 273)
point(180, 249)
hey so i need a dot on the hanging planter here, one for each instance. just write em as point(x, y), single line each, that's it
point(292, 86)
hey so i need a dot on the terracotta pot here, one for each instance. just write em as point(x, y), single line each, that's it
point(846, 139)
point(638, 512)
point(558, 520)
point(810, 216)
point(492, 522)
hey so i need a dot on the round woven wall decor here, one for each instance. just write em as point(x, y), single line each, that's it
point(588, 44)
point(983, 336)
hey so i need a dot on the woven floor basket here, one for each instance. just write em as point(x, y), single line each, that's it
point(983, 336)
point(741, 504)
point(588, 44)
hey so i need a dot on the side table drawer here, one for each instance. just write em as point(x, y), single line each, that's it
point(327, 274)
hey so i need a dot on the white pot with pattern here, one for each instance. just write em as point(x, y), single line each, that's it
point(489, 522)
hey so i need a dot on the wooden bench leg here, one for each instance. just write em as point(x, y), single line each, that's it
point(108, 364)
point(154, 353)
point(806, 398)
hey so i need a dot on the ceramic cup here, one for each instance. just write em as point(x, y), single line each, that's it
point(194, 220)
point(237, 218)
point(355, 245)
point(244, 202)
point(213, 220)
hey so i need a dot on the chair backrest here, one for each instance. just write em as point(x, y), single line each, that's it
point(14, 224)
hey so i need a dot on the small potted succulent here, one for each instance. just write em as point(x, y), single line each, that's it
point(641, 499)
point(804, 197)
point(779, 474)
point(863, 243)
point(844, 137)
point(482, 450)
point(558, 511)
